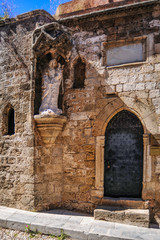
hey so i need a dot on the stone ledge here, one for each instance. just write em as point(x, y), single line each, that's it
point(126, 203)
point(136, 217)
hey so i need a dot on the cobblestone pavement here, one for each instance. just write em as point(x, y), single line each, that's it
point(7, 234)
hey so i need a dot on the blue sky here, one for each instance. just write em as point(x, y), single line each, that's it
point(22, 6)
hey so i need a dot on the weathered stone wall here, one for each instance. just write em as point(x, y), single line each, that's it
point(16, 89)
point(136, 87)
point(70, 172)
point(67, 174)
point(48, 175)
point(78, 7)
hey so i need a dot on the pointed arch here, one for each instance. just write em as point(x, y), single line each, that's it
point(79, 72)
point(99, 129)
point(108, 112)
point(123, 156)
point(114, 113)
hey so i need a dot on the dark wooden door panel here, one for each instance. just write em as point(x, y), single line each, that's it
point(123, 163)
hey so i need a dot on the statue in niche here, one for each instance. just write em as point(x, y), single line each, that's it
point(51, 80)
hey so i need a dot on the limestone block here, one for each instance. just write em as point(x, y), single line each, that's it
point(158, 169)
point(140, 86)
point(90, 164)
point(114, 80)
point(154, 93)
point(148, 77)
point(148, 68)
point(155, 151)
point(156, 103)
point(84, 188)
point(97, 193)
point(151, 123)
point(157, 48)
point(129, 87)
point(91, 140)
point(140, 78)
point(96, 39)
point(92, 82)
point(90, 181)
point(87, 131)
point(137, 217)
point(79, 116)
point(155, 140)
point(150, 85)
point(110, 89)
point(132, 78)
point(157, 67)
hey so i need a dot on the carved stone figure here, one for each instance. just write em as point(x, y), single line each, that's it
point(52, 78)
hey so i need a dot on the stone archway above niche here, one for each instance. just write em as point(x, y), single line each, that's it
point(51, 43)
point(50, 38)
point(51, 51)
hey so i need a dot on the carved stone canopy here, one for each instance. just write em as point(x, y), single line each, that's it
point(52, 37)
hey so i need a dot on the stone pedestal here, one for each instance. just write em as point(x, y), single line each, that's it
point(49, 127)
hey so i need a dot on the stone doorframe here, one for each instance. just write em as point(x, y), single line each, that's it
point(99, 163)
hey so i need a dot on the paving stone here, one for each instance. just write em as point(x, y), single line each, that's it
point(77, 226)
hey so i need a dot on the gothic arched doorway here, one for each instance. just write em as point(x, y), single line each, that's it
point(123, 156)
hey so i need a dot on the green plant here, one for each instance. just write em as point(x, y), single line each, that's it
point(6, 9)
point(63, 236)
point(31, 233)
point(15, 235)
point(52, 236)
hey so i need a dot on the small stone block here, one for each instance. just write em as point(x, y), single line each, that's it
point(155, 151)
point(136, 217)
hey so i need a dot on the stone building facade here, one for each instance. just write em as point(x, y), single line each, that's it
point(92, 134)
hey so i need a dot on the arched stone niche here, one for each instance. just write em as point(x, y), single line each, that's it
point(8, 123)
point(76, 79)
point(51, 51)
point(49, 84)
point(109, 111)
point(78, 73)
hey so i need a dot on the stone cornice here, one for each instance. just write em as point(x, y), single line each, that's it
point(92, 13)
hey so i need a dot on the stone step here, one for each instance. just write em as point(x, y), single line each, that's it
point(136, 217)
point(135, 203)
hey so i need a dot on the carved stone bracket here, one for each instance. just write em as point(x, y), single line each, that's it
point(49, 127)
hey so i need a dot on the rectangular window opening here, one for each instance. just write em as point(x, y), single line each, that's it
point(120, 53)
